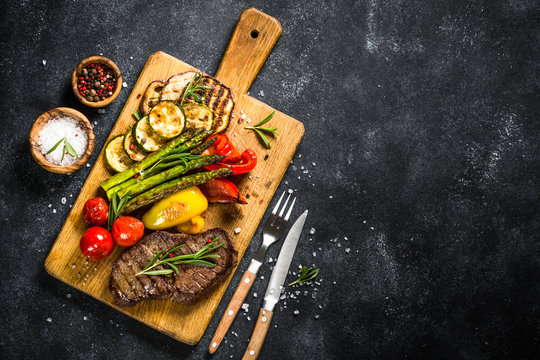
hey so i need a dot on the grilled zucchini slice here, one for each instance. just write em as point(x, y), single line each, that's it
point(116, 156)
point(131, 147)
point(199, 116)
point(167, 119)
point(147, 140)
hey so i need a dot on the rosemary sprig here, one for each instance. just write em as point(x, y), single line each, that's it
point(116, 207)
point(171, 260)
point(67, 149)
point(193, 87)
point(259, 130)
point(306, 274)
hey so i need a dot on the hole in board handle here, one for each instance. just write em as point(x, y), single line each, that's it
point(254, 34)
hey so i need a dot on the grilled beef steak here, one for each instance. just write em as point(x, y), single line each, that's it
point(193, 282)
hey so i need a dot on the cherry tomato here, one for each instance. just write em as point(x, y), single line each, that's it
point(96, 243)
point(247, 162)
point(127, 230)
point(96, 211)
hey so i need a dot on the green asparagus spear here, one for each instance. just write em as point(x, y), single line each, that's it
point(149, 160)
point(172, 186)
point(169, 174)
point(164, 163)
point(201, 148)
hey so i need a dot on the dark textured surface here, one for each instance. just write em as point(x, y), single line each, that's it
point(423, 120)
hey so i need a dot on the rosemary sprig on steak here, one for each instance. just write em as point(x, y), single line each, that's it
point(306, 274)
point(194, 88)
point(170, 260)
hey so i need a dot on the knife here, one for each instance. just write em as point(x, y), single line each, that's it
point(273, 291)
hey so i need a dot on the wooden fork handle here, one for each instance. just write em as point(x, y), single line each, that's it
point(232, 309)
point(259, 334)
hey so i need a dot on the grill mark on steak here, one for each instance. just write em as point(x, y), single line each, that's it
point(193, 282)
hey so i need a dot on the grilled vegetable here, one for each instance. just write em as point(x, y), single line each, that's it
point(222, 191)
point(169, 174)
point(162, 190)
point(176, 85)
point(199, 116)
point(145, 138)
point(149, 161)
point(218, 99)
point(175, 209)
point(151, 96)
point(116, 156)
point(167, 119)
point(131, 147)
point(168, 160)
point(96, 243)
point(193, 226)
point(248, 160)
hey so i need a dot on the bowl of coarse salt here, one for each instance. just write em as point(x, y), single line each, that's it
point(62, 140)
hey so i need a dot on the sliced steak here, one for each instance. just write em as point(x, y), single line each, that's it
point(193, 282)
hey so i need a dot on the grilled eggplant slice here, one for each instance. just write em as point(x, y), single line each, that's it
point(151, 96)
point(176, 85)
point(147, 140)
point(167, 119)
point(218, 98)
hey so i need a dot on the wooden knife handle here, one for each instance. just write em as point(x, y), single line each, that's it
point(252, 41)
point(232, 309)
point(259, 334)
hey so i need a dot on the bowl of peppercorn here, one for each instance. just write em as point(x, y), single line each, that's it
point(96, 81)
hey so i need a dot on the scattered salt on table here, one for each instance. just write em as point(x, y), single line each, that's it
point(58, 129)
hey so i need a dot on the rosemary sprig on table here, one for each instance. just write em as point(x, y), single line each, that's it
point(170, 260)
point(306, 274)
point(68, 149)
point(259, 130)
point(116, 207)
point(193, 87)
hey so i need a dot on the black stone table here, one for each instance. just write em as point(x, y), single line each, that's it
point(420, 169)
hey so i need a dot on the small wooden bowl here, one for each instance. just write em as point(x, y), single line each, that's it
point(100, 60)
point(42, 121)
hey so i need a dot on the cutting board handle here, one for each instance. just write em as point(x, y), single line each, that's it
point(252, 41)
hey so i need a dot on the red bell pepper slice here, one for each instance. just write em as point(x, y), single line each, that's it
point(247, 162)
point(223, 146)
point(222, 191)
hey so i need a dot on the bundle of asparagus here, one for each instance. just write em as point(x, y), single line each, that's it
point(160, 173)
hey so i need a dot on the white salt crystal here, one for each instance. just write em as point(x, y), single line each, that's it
point(124, 84)
point(50, 205)
point(63, 200)
point(48, 319)
point(54, 211)
point(316, 316)
point(270, 260)
point(313, 163)
point(312, 231)
point(101, 111)
point(254, 294)
point(243, 116)
point(261, 93)
point(296, 312)
point(85, 318)
point(237, 230)
point(347, 250)
point(54, 132)
point(314, 254)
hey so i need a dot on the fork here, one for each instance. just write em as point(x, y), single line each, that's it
point(272, 231)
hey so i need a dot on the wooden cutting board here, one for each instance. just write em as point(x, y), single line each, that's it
point(253, 38)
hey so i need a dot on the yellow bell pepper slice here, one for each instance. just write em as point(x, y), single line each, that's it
point(175, 209)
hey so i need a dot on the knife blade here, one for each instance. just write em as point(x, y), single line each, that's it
point(273, 291)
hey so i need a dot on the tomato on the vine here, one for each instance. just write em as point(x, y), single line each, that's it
point(96, 243)
point(96, 211)
point(127, 231)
